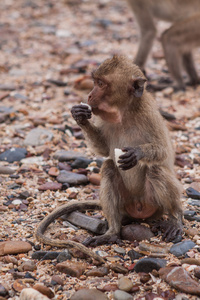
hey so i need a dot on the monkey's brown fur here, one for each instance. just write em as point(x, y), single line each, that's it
point(178, 41)
point(126, 116)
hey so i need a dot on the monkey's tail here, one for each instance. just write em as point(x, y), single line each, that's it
point(58, 212)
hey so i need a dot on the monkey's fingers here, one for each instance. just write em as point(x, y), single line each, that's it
point(127, 160)
point(128, 166)
point(101, 240)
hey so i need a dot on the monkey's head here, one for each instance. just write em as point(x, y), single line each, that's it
point(118, 83)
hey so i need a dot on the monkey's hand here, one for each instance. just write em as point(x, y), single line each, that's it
point(130, 158)
point(81, 113)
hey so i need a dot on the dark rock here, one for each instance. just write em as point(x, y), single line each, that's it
point(63, 155)
point(13, 154)
point(3, 291)
point(189, 214)
point(197, 272)
point(51, 255)
point(71, 178)
point(81, 162)
point(63, 256)
point(74, 269)
point(38, 136)
point(148, 264)
point(181, 248)
point(180, 279)
point(88, 294)
point(38, 254)
point(134, 255)
point(136, 232)
point(192, 193)
point(194, 203)
point(92, 224)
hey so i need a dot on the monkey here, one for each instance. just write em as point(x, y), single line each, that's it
point(124, 115)
point(178, 41)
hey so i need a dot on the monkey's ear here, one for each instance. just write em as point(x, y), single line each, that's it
point(137, 86)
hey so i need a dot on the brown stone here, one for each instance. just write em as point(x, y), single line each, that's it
point(44, 290)
point(145, 246)
point(14, 247)
point(52, 186)
point(109, 287)
point(180, 279)
point(19, 285)
point(136, 232)
point(118, 268)
point(57, 279)
point(28, 265)
point(98, 272)
point(74, 269)
point(88, 294)
point(53, 171)
point(95, 178)
point(191, 261)
point(125, 284)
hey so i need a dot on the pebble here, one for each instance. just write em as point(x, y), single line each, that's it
point(192, 193)
point(134, 255)
point(44, 290)
point(53, 171)
point(19, 285)
point(191, 261)
point(63, 155)
point(71, 178)
point(32, 294)
point(119, 250)
point(81, 162)
point(118, 268)
point(28, 265)
point(52, 186)
point(6, 170)
point(144, 246)
point(3, 291)
point(121, 295)
point(180, 279)
point(89, 294)
point(38, 160)
point(38, 254)
point(14, 247)
point(136, 232)
point(56, 279)
point(189, 214)
point(13, 154)
point(125, 284)
point(148, 264)
point(95, 178)
point(181, 248)
point(197, 272)
point(98, 272)
point(63, 256)
point(74, 269)
point(37, 137)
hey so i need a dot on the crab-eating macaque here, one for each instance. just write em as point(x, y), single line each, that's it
point(141, 184)
point(178, 41)
point(144, 185)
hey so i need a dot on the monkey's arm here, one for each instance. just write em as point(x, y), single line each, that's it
point(147, 30)
point(81, 113)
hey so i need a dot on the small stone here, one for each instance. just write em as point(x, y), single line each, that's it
point(19, 285)
point(38, 254)
point(197, 272)
point(125, 284)
point(109, 287)
point(181, 248)
point(145, 246)
point(192, 193)
point(148, 264)
point(88, 294)
point(121, 295)
point(98, 272)
point(74, 269)
point(53, 171)
point(63, 155)
point(95, 178)
point(6, 170)
point(44, 290)
point(52, 186)
point(120, 250)
point(144, 277)
point(37, 137)
point(134, 255)
point(13, 154)
point(81, 162)
point(117, 268)
point(14, 247)
point(57, 279)
point(16, 202)
point(32, 294)
point(50, 255)
point(136, 232)
point(3, 291)
point(71, 178)
point(189, 214)
point(28, 265)
point(63, 256)
point(180, 279)
point(190, 261)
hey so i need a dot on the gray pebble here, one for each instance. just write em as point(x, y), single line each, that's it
point(120, 295)
point(71, 178)
point(148, 264)
point(181, 248)
point(63, 155)
point(37, 137)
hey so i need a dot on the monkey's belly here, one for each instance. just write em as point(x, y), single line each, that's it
point(139, 210)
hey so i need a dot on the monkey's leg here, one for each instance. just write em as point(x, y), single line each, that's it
point(111, 204)
point(188, 64)
point(162, 185)
point(179, 39)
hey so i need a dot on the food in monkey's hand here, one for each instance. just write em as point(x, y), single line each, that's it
point(118, 153)
point(89, 107)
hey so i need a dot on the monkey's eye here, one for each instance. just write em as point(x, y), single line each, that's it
point(100, 83)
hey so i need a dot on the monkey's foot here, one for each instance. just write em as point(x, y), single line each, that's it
point(172, 231)
point(101, 240)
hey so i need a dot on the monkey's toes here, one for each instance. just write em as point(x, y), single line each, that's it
point(101, 240)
